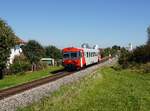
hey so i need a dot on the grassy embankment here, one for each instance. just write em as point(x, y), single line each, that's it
point(13, 80)
point(106, 90)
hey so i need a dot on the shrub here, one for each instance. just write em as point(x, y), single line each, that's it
point(19, 67)
point(124, 58)
point(42, 65)
point(140, 55)
point(145, 68)
point(116, 67)
point(20, 64)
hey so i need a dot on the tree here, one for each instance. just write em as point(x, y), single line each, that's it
point(148, 32)
point(34, 52)
point(7, 41)
point(115, 47)
point(53, 52)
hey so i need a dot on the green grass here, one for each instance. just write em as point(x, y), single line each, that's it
point(106, 90)
point(13, 80)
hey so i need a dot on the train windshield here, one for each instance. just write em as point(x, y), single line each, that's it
point(74, 55)
point(66, 55)
point(71, 55)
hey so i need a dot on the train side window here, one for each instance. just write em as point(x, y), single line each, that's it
point(79, 54)
point(94, 54)
point(97, 54)
point(87, 54)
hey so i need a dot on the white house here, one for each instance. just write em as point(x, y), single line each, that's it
point(16, 51)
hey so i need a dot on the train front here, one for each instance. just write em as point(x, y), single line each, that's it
point(72, 58)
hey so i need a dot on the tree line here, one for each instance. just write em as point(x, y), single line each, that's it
point(32, 51)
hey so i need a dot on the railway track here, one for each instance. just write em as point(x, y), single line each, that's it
point(4, 93)
point(26, 86)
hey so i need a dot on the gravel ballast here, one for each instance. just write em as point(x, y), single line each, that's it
point(35, 94)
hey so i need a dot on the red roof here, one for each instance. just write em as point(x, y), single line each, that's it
point(20, 41)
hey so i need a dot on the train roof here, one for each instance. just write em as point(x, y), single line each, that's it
point(75, 49)
point(72, 49)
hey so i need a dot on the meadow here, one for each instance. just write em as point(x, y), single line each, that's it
point(19, 78)
point(106, 90)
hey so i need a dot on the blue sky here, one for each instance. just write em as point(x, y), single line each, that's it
point(72, 22)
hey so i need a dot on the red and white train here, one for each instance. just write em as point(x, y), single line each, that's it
point(77, 58)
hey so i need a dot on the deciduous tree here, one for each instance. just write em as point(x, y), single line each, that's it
point(53, 52)
point(34, 52)
point(7, 41)
point(148, 32)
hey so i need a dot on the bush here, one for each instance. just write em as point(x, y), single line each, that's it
point(124, 58)
point(145, 68)
point(20, 64)
point(19, 67)
point(116, 67)
point(140, 55)
point(42, 65)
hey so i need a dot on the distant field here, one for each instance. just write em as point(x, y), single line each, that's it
point(106, 90)
point(13, 80)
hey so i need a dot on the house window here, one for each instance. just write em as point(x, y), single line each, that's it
point(17, 47)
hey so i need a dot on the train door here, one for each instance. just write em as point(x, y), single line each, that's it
point(87, 57)
point(81, 62)
point(82, 59)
